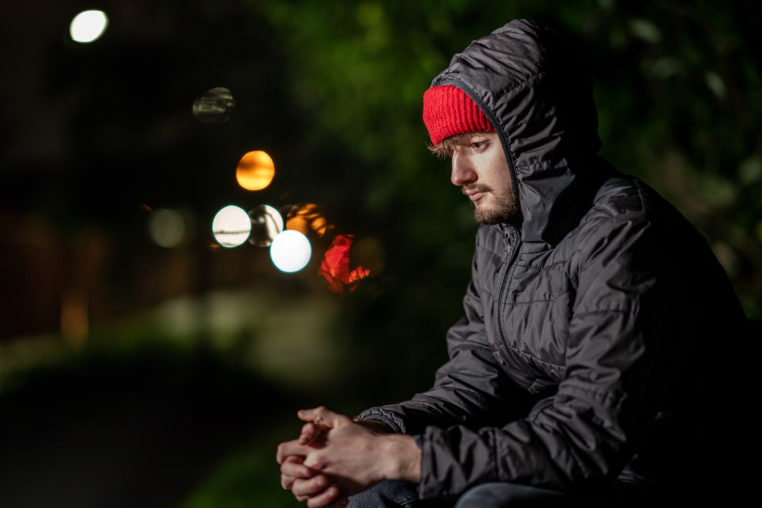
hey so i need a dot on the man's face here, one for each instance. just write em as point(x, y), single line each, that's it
point(479, 168)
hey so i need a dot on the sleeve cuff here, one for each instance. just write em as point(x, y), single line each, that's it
point(390, 419)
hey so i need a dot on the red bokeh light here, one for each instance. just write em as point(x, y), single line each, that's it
point(335, 266)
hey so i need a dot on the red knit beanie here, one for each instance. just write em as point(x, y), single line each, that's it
point(448, 111)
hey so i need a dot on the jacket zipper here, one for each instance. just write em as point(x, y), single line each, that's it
point(513, 243)
point(512, 249)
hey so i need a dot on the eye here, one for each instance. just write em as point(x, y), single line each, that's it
point(478, 145)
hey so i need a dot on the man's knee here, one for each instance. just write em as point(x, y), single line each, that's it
point(390, 493)
point(504, 495)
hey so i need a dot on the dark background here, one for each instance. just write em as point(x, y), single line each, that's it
point(182, 367)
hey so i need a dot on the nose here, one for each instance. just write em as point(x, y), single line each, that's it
point(462, 171)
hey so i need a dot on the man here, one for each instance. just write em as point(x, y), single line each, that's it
point(588, 366)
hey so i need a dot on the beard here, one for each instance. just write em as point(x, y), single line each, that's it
point(496, 208)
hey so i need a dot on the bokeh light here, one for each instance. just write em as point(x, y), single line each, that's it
point(336, 268)
point(266, 224)
point(214, 106)
point(87, 26)
point(231, 226)
point(290, 251)
point(307, 217)
point(167, 227)
point(255, 170)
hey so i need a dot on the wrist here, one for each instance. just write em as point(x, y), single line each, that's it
point(404, 458)
point(376, 426)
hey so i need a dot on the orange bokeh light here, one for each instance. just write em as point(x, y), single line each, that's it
point(255, 170)
point(306, 217)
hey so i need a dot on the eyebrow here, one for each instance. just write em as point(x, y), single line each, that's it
point(446, 147)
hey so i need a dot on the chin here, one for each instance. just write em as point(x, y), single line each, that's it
point(486, 219)
point(496, 215)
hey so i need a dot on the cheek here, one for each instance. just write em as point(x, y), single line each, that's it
point(503, 177)
point(505, 189)
point(501, 180)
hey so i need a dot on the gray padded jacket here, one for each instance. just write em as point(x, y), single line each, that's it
point(588, 349)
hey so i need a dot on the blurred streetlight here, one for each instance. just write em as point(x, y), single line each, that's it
point(231, 226)
point(290, 251)
point(255, 170)
point(266, 224)
point(87, 26)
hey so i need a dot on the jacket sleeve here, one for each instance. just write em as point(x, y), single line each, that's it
point(470, 389)
point(584, 433)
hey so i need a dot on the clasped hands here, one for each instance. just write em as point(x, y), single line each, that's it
point(335, 457)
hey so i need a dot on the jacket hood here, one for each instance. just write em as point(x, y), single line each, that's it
point(529, 84)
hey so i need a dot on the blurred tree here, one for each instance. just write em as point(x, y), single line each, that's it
point(333, 90)
point(675, 85)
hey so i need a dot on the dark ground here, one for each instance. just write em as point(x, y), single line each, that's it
point(111, 432)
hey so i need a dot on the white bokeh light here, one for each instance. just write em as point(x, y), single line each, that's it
point(290, 251)
point(266, 224)
point(231, 226)
point(87, 26)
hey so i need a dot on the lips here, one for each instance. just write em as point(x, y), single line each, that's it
point(475, 194)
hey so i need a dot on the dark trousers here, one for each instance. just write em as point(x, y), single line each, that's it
point(394, 494)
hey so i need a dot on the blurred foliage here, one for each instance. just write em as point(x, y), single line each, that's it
point(676, 85)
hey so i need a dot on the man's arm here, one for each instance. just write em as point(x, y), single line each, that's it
point(471, 387)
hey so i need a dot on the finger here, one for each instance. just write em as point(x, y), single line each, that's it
point(322, 416)
point(309, 433)
point(293, 466)
point(286, 481)
point(295, 459)
point(310, 487)
point(290, 448)
point(325, 498)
